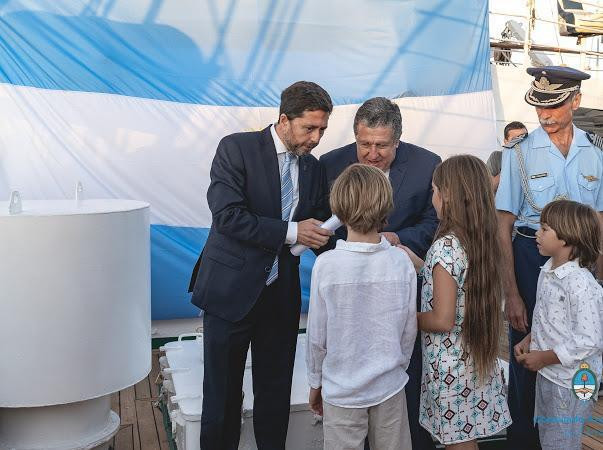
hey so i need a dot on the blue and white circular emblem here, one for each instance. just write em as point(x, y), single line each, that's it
point(584, 382)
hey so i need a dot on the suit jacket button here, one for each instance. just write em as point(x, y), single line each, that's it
point(268, 268)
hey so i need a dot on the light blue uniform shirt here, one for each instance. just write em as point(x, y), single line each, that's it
point(550, 176)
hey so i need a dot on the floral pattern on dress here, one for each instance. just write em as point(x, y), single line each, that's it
point(455, 407)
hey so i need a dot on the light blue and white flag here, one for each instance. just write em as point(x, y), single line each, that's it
point(131, 97)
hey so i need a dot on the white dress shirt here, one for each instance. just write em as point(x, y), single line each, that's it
point(362, 323)
point(567, 319)
point(294, 169)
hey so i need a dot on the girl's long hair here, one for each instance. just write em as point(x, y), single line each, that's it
point(468, 212)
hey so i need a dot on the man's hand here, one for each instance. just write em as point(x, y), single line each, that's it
point(416, 261)
point(536, 359)
point(516, 313)
point(315, 401)
point(311, 235)
point(523, 347)
point(391, 237)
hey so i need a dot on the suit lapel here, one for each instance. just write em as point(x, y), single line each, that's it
point(352, 157)
point(271, 171)
point(397, 170)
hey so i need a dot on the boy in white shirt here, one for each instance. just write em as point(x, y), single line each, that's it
point(361, 322)
point(567, 334)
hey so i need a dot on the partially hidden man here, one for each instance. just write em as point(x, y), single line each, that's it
point(266, 193)
point(412, 221)
point(555, 161)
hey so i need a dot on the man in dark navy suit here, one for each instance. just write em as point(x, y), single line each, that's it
point(413, 222)
point(266, 193)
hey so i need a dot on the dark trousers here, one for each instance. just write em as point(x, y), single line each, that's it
point(271, 328)
point(522, 433)
point(421, 439)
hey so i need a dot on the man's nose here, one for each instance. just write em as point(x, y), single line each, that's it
point(315, 136)
point(543, 113)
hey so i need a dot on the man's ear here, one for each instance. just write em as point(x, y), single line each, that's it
point(576, 101)
point(283, 119)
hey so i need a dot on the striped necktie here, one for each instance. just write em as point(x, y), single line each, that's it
point(286, 203)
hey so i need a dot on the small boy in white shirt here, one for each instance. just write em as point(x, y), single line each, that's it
point(361, 322)
point(567, 334)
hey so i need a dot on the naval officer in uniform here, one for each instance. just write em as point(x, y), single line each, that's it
point(555, 161)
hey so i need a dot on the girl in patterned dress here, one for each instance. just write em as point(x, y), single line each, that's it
point(462, 392)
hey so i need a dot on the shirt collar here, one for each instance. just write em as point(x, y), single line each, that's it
point(541, 139)
point(363, 247)
point(580, 138)
point(563, 270)
point(280, 147)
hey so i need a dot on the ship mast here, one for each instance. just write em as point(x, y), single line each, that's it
point(530, 26)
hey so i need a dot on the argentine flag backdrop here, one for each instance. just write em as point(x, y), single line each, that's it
point(131, 97)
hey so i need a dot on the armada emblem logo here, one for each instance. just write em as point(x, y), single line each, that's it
point(545, 85)
point(584, 382)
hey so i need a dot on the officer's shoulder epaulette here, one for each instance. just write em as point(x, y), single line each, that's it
point(515, 141)
point(595, 139)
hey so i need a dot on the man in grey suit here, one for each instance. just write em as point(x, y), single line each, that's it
point(413, 221)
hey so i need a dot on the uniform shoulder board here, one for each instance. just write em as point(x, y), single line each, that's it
point(516, 140)
point(595, 139)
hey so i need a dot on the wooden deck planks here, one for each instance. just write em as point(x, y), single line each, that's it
point(161, 433)
point(141, 422)
point(147, 430)
point(124, 439)
point(592, 436)
point(127, 406)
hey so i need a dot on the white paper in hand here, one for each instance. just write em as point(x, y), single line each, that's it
point(331, 224)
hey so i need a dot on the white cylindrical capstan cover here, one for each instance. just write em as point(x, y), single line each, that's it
point(75, 319)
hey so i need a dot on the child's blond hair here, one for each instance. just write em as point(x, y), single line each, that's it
point(578, 225)
point(362, 198)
